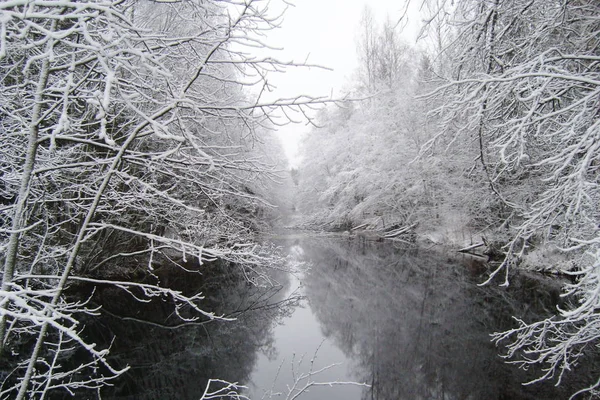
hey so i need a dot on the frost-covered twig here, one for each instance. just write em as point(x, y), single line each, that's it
point(303, 381)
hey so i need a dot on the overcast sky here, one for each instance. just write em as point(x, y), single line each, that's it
point(325, 32)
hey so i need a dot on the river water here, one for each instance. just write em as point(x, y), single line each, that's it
point(407, 322)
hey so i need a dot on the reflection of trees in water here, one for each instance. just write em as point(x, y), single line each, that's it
point(418, 323)
point(176, 363)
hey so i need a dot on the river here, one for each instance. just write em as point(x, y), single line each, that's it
point(407, 322)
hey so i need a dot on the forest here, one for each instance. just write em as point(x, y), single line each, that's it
point(138, 147)
point(487, 137)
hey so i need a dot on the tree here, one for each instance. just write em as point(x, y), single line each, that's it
point(525, 85)
point(366, 46)
point(126, 144)
point(384, 59)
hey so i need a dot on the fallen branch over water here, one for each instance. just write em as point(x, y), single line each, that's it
point(399, 231)
point(394, 234)
point(471, 247)
point(359, 227)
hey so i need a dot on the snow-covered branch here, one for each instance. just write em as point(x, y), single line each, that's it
point(128, 135)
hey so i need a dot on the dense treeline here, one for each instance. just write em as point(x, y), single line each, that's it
point(494, 132)
point(128, 145)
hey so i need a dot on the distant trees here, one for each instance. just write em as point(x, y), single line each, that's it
point(359, 181)
point(127, 143)
point(385, 61)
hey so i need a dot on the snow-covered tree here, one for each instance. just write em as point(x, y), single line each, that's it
point(126, 143)
point(385, 60)
point(525, 86)
point(358, 165)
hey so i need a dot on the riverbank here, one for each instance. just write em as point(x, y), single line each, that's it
point(452, 233)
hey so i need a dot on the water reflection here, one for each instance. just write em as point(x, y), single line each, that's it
point(418, 325)
point(301, 347)
point(177, 362)
point(411, 323)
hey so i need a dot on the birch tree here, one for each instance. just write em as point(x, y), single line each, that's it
point(384, 59)
point(125, 144)
point(525, 85)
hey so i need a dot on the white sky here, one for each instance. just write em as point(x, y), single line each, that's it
point(325, 32)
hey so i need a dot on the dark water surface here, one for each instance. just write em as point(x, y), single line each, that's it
point(411, 323)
